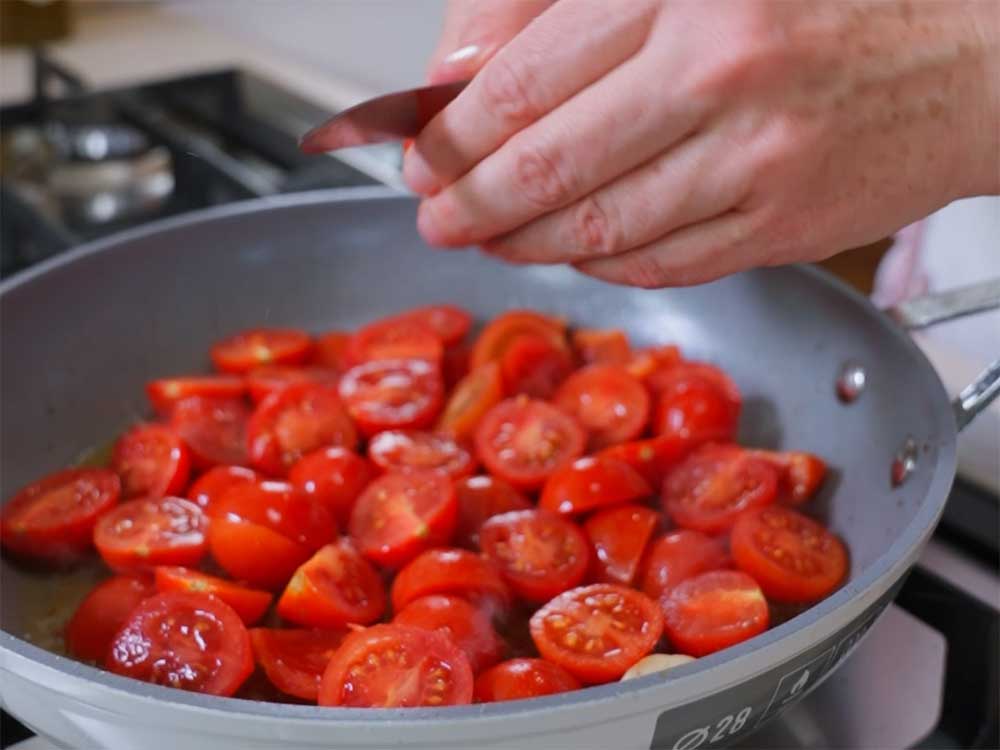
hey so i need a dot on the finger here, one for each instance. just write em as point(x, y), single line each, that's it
point(684, 185)
point(691, 255)
point(562, 51)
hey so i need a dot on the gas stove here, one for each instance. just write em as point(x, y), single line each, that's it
point(82, 164)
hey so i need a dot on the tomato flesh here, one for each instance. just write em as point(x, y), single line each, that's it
point(264, 381)
point(652, 363)
point(455, 572)
point(472, 398)
point(611, 405)
point(392, 394)
point(533, 366)
point(597, 632)
point(606, 347)
point(481, 497)
point(163, 394)
point(713, 611)
point(147, 532)
point(262, 346)
point(249, 604)
point(469, 628)
point(679, 555)
point(619, 537)
point(151, 461)
point(395, 666)
point(294, 660)
point(498, 335)
point(333, 477)
point(407, 451)
point(102, 613)
point(696, 402)
point(523, 678)
point(590, 483)
point(800, 475)
point(214, 430)
point(211, 485)
point(182, 640)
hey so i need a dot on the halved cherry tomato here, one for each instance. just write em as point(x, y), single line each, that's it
point(214, 429)
point(523, 441)
point(264, 381)
point(792, 557)
point(457, 572)
point(475, 394)
point(395, 338)
point(592, 482)
point(152, 531)
point(52, 520)
point(262, 346)
point(448, 322)
point(713, 611)
point(336, 586)
point(455, 364)
point(800, 475)
point(294, 660)
point(533, 366)
point(407, 451)
point(395, 666)
point(151, 461)
point(468, 627)
point(504, 329)
point(619, 537)
point(647, 364)
point(255, 553)
point(605, 347)
point(166, 392)
point(609, 403)
point(249, 604)
point(280, 507)
point(696, 402)
point(333, 477)
point(523, 678)
point(483, 497)
point(211, 485)
point(294, 421)
point(712, 486)
point(653, 458)
point(389, 394)
point(188, 641)
point(332, 351)
point(597, 632)
point(539, 553)
point(679, 555)
point(102, 613)
point(398, 516)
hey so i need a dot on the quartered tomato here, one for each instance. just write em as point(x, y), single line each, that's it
point(255, 553)
point(523, 678)
point(456, 572)
point(523, 441)
point(332, 351)
point(532, 365)
point(280, 507)
point(592, 482)
point(333, 477)
point(52, 520)
point(151, 461)
point(652, 458)
point(473, 396)
point(188, 641)
point(597, 632)
point(249, 604)
point(395, 666)
point(102, 613)
point(264, 381)
point(211, 485)
point(648, 364)
point(391, 394)
point(611, 405)
point(800, 475)
point(618, 537)
point(504, 329)
point(294, 421)
point(214, 429)
point(448, 322)
point(483, 497)
point(712, 486)
point(605, 347)
point(468, 627)
point(539, 553)
point(792, 557)
point(152, 531)
point(696, 402)
point(166, 392)
point(294, 660)
point(393, 338)
point(679, 555)
point(398, 516)
point(713, 611)
point(407, 451)
point(336, 586)
point(262, 346)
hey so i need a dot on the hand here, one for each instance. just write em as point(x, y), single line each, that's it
point(663, 142)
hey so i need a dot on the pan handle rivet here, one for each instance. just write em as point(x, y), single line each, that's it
point(851, 382)
point(905, 462)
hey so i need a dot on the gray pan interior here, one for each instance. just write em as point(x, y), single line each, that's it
point(81, 334)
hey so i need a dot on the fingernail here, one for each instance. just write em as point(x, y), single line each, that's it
point(460, 64)
point(407, 145)
point(418, 175)
point(462, 54)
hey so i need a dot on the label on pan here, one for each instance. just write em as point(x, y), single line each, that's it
point(722, 719)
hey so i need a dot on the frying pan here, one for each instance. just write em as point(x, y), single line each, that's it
point(84, 331)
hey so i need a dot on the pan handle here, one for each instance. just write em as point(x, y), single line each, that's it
point(925, 311)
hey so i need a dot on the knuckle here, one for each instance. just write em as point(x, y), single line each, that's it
point(594, 233)
point(543, 176)
point(506, 93)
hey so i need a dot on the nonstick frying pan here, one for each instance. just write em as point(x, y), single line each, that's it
point(83, 332)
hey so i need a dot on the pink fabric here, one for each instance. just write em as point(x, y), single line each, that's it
point(900, 275)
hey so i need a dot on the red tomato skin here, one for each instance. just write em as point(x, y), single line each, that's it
point(473, 396)
point(332, 351)
point(61, 538)
point(618, 538)
point(609, 403)
point(697, 402)
point(497, 336)
point(102, 613)
point(606, 347)
point(377, 400)
point(468, 627)
point(164, 393)
point(182, 522)
point(482, 497)
point(264, 381)
point(516, 679)
point(591, 482)
point(533, 366)
point(333, 477)
point(800, 475)
point(407, 451)
point(453, 572)
point(653, 457)
point(249, 604)
point(255, 553)
point(455, 365)
point(262, 346)
point(280, 507)
point(211, 485)
point(651, 363)
point(214, 430)
point(133, 652)
point(396, 337)
point(679, 555)
point(449, 323)
point(133, 458)
point(698, 630)
point(294, 660)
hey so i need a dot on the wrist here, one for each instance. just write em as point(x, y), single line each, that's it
point(979, 55)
